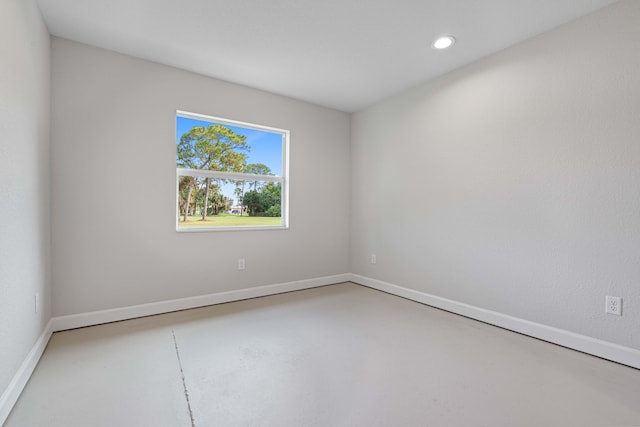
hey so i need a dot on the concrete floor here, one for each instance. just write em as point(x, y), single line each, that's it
point(341, 355)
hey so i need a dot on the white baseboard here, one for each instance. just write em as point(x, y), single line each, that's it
point(606, 350)
point(12, 392)
point(73, 321)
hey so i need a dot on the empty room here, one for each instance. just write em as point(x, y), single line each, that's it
point(340, 213)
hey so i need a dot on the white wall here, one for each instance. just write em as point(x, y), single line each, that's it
point(24, 182)
point(113, 163)
point(513, 184)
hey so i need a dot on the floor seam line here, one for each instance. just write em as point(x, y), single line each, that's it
point(184, 383)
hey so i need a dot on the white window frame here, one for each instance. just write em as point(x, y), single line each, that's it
point(235, 176)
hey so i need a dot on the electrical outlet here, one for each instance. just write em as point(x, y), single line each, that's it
point(373, 259)
point(240, 263)
point(613, 305)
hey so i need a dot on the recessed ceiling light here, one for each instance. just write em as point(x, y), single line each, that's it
point(444, 42)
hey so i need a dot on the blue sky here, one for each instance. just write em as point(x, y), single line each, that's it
point(266, 147)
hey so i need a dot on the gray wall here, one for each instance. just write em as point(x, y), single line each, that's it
point(113, 162)
point(24, 182)
point(513, 184)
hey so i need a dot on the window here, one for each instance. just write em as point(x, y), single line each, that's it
point(230, 175)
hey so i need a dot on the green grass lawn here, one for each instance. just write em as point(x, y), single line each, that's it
point(228, 220)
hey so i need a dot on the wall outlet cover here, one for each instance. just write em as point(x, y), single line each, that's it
point(613, 305)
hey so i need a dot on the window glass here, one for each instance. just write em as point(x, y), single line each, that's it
point(230, 175)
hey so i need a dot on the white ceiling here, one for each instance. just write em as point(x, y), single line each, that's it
point(343, 54)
